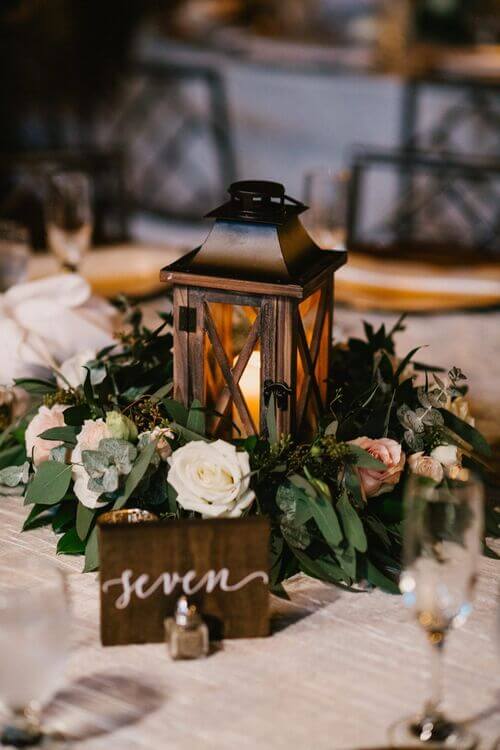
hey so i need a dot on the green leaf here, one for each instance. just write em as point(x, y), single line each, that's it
point(406, 361)
point(188, 434)
point(84, 518)
point(176, 411)
point(75, 416)
point(322, 568)
point(49, 485)
point(351, 480)
point(138, 470)
point(64, 517)
point(347, 560)
point(162, 392)
point(377, 578)
point(70, 544)
point(272, 431)
point(63, 434)
point(466, 432)
point(365, 460)
point(36, 386)
point(196, 418)
point(39, 515)
point(91, 552)
point(352, 524)
point(326, 519)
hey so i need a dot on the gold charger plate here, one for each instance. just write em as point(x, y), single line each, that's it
point(377, 283)
point(131, 269)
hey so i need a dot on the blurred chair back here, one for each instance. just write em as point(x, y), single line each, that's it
point(425, 206)
point(23, 184)
point(171, 120)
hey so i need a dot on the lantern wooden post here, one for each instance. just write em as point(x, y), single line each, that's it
point(258, 257)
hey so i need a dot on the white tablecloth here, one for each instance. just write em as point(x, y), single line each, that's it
point(337, 671)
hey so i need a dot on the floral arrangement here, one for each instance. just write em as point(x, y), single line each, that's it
point(104, 433)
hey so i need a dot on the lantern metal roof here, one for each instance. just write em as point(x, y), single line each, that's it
point(257, 244)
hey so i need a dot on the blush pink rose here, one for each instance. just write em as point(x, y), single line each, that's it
point(45, 419)
point(389, 452)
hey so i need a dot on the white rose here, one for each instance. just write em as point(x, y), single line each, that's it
point(211, 478)
point(72, 371)
point(45, 419)
point(426, 466)
point(88, 439)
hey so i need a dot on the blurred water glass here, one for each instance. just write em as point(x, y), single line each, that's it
point(69, 217)
point(442, 546)
point(34, 644)
point(15, 251)
point(325, 192)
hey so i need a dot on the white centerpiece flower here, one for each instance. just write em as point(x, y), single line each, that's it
point(211, 478)
point(45, 419)
point(89, 437)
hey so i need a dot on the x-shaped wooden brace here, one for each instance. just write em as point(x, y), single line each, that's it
point(232, 375)
point(310, 357)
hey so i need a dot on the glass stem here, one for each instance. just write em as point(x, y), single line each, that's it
point(436, 681)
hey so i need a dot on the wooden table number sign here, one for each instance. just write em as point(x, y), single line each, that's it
point(222, 565)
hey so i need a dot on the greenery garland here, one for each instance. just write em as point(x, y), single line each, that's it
point(116, 438)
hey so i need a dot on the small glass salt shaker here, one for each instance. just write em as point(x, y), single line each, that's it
point(186, 633)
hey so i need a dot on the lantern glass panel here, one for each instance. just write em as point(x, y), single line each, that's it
point(234, 325)
point(313, 359)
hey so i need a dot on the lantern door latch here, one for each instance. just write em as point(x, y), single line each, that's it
point(281, 392)
point(187, 319)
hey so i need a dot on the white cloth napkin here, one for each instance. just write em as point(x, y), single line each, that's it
point(44, 322)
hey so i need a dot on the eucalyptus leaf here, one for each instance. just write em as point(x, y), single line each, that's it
point(138, 471)
point(12, 476)
point(49, 485)
point(177, 412)
point(466, 432)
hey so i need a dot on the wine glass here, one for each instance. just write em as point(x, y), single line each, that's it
point(34, 645)
point(325, 192)
point(69, 220)
point(442, 545)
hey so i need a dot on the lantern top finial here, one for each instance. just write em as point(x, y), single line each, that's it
point(258, 201)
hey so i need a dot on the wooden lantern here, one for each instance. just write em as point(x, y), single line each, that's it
point(253, 312)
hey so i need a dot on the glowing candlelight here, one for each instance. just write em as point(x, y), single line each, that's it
point(250, 388)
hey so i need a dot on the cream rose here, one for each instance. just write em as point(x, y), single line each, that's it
point(88, 439)
point(450, 458)
point(45, 419)
point(72, 372)
point(426, 466)
point(211, 478)
point(389, 452)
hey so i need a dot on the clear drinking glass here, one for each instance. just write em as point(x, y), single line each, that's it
point(14, 254)
point(69, 220)
point(325, 192)
point(442, 545)
point(34, 645)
